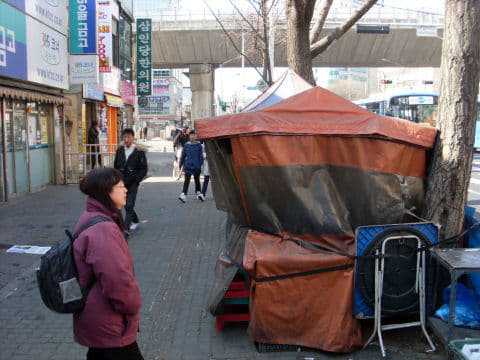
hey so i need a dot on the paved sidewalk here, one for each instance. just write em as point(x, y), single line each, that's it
point(174, 254)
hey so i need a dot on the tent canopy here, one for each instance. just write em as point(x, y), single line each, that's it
point(315, 112)
point(290, 83)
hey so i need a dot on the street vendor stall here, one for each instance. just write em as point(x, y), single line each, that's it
point(308, 170)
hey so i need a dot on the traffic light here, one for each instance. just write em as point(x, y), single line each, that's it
point(427, 82)
point(385, 81)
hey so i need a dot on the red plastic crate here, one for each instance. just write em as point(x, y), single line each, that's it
point(234, 305)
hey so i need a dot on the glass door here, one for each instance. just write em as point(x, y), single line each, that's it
point(39, 145)
point(9, 159)
point(20, 147)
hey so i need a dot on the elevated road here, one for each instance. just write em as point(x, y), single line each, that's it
point(414, 40)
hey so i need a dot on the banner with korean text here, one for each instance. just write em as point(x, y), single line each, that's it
point(13, 42)
point(105, 46)
point(83, 69)
point(83, 27)
point(51, 12)
point(144, 56)
point(47, 55)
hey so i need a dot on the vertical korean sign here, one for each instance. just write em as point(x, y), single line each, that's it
point(105, 49)
point(144, 57)
point(83, 27)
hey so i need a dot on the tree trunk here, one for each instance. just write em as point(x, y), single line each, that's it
point(449, 172)
point(298, 42)
point(267, 69)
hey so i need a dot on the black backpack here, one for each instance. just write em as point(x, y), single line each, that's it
point(57, 275)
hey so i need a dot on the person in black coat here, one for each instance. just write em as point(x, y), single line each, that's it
point(94, 141)
point(130, 159)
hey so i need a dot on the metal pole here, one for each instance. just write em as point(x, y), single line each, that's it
point(4, 151)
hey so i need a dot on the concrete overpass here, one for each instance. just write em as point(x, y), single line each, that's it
point(414, 39)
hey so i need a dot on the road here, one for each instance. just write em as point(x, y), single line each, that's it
point(474, 188)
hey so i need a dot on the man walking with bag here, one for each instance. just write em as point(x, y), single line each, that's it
point(130, 159)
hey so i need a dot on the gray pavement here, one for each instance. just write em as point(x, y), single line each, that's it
point(174, 253)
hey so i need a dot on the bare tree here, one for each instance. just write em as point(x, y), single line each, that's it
point(449, 173)
point(255, 29)
point(303, 45)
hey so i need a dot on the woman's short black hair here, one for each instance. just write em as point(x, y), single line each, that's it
point(99, 183)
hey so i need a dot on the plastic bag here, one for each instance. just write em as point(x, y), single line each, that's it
point(473, 241)
point(467, 307)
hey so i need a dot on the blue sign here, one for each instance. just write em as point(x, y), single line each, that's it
point(83, 27)
point(13, 42)
point(93, 91)
point(18, 3)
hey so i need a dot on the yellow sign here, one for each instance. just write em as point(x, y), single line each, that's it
point(114, 101)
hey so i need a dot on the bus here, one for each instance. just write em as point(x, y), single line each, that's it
point(419, 107)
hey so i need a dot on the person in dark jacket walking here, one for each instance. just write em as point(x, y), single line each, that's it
point(93, 141)
point(192, 158)
point(109, 322)
point(130, 159)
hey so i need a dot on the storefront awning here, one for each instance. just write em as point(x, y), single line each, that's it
point(33, 96)
point(115, 101)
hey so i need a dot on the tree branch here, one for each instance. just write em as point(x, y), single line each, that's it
point(322, 16)
point(321, 45)
point(309, 9)
point(253, 5)
point(246, 20)
point(230, 38)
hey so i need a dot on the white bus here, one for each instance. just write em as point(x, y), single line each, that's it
point(419, 107)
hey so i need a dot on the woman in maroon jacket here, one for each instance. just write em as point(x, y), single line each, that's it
point(108, 324)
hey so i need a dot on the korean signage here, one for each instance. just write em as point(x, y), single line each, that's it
point(164, 81)
point(144, 56)
point(13, 42)
point(47, 55)
point(111, 81)
point(83, 27)
point(83, 69)
point(161, 90)
point(104, 46)
point(50, 12)
point(158, 99)
point(128, 93)
point(93, 91)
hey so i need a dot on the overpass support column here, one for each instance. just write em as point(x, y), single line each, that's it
point(202, 85)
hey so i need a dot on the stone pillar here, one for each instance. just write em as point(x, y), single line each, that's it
point(202, 85)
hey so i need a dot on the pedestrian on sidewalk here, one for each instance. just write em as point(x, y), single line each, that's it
point(109, 322)
point(205, 171)
point(130, 159)
point(192, 158)
point(94, 141)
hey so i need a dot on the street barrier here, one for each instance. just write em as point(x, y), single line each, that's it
point(78, 164)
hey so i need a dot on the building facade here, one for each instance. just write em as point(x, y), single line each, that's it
point(109, 100)
point(33, 76)
point(164, 107)
point(63, 64)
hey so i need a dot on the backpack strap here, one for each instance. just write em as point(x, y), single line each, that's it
point(86, 226)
